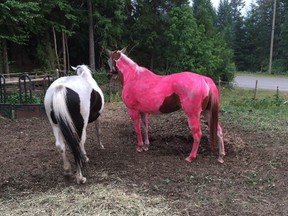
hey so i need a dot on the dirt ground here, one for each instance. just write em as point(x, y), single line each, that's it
point(250, 182)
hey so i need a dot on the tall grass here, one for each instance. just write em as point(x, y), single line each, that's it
point(268, 111)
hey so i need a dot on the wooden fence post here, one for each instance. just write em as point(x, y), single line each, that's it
point(255, 90)
point(277, 93)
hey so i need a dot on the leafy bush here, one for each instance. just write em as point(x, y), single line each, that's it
point(14, 98)
point(101, 76)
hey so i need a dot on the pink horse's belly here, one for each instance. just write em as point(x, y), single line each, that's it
point(147, 104)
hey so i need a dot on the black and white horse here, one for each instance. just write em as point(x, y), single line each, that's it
point(71, 103)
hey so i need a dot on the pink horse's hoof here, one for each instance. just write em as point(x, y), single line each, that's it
point(188, 159)
point(139, 149)
point(145, 147)
point(220, 160)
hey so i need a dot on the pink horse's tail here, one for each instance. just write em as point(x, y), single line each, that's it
point(214, 114)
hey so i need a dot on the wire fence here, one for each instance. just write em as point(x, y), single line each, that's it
point(24, 88)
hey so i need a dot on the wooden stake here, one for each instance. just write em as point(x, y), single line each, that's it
point(255, 90)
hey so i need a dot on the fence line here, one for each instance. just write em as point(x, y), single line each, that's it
point(28, 87)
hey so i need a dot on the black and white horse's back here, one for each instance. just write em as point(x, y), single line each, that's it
point(71, 103)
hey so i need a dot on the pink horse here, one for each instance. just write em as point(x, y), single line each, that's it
point(144, 92)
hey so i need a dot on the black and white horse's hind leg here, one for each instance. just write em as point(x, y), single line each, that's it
point(98, 132)
point(79, 176)
point(83, 140)
point(60, 145)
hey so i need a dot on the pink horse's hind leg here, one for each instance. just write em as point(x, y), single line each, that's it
point(220, 144)
point(194, 124)
point(135, 116)
point(144, 118)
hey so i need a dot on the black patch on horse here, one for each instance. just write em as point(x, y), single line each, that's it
point(95, 106)
point(73, 105)
point(53, 117)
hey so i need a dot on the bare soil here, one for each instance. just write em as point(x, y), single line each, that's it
point(252, 181)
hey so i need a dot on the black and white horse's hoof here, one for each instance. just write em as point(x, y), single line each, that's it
point(81, 180)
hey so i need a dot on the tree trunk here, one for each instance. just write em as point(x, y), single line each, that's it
point(55, 47)
point(91, 37)
point(64, 53)
point(67, 53)
point(5, 58)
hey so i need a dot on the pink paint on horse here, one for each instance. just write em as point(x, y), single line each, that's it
point(144, 92)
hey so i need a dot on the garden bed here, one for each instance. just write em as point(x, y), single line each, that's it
point(18, 111)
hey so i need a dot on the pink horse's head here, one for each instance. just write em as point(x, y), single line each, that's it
point(113, 57)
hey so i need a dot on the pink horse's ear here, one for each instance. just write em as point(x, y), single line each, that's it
point(109, 52)
point(123, 50)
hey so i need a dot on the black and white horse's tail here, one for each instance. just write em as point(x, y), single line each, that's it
point(66, 109)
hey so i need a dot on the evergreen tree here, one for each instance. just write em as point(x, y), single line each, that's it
point(282, 63)
point(205, 16)
point(182, 38)
point(194, 49)
point(17, 20)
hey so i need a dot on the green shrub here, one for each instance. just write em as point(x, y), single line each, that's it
point(14, 98)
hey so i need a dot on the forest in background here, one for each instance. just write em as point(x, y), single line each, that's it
point(165, 36)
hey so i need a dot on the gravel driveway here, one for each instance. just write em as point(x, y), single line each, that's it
point(264, 82)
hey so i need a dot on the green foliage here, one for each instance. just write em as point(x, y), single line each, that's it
point(267, 112)
point(44, 56)
point(166, 35)
point(109, 18)
point(14, 98)
point(263, 103)
point(190, 47)
point(17, 20)
point(101, 76)
point(182, 38)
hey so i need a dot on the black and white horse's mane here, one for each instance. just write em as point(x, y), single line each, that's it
point(81, 69)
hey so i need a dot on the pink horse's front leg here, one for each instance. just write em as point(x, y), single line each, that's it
point(194, 124)
point(144, 119)
point(135, 116)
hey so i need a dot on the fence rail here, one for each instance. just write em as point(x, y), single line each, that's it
point(25, 86)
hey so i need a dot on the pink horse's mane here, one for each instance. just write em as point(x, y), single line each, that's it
point(125, 63)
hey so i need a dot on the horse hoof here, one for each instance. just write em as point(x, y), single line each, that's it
point(139, 149)
point(220, 160)
point(81, 180)
point(101, 146)
point(146, 147)
point(86, 159)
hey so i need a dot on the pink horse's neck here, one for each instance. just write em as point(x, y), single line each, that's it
point(127, 67)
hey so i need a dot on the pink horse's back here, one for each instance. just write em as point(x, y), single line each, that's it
point(151, 93)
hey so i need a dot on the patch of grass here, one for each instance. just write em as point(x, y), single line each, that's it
point(255, 179)
point(93, 200)
point(268, 111)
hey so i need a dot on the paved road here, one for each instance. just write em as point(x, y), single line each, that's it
point(270, 83)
